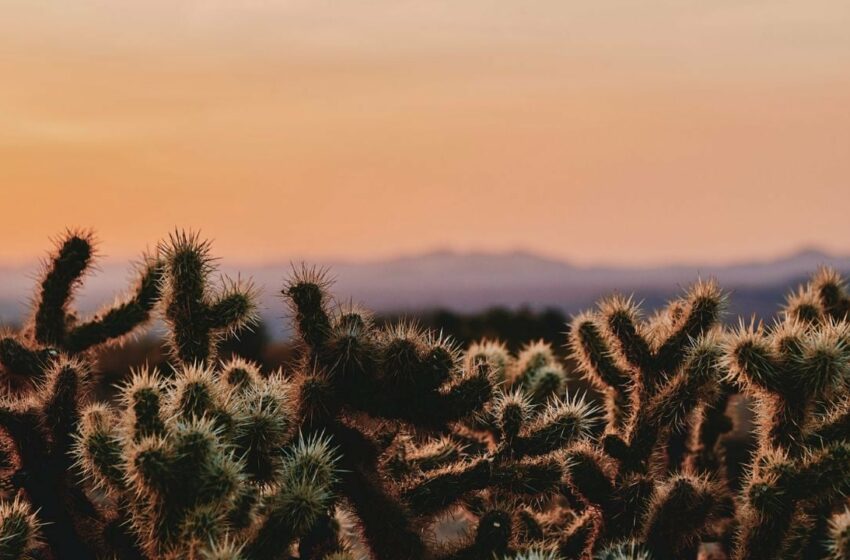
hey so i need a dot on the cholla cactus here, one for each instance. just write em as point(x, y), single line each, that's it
point(538, 372)
point(203, 467)
point(797, 375)
point(497, 356)
point(199, 315)
point(659, 377)
point(204, 464)
point(54, 325)
point(378, 438)
point(54, 328)
point(410, 381)
point(521, 430)
point(46, 378)
point(176, 466)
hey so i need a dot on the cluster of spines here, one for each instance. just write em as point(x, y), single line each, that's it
point(19, 529)
point(839, 536)
point(536, 370)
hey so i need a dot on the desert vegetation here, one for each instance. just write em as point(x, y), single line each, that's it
point(390, 442)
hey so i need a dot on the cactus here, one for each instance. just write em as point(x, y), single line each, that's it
point(839, 536)
point(47, 374)
point(199, 315)
point(797, 373)
point(379, 438)
point(19, 529)
point(637, 498)
point(55, 329)
point(203, 461)
point(658, 377)
point(201, 467)
point(408, 383)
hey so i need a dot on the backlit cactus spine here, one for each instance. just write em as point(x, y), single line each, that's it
point(19, 530)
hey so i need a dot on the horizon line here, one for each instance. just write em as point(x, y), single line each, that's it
point(334, 260)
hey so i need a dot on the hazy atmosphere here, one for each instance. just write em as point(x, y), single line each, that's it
point(598, 132)
point(425, 280)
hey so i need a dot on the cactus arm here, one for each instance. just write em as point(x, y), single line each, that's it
point(60, 277)
point(437, 490)
point(18, 359)
point(388, 527)
point(561, 424)
point(234, 310)
point(197, 316)
point(306, 294)
point(703, 306)
point(677, 514)
point(19, 530)
point(831, 291)
point(621, 319)
point(598, 365)
point(119, 320)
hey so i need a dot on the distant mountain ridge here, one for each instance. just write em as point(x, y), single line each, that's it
point(470, 282)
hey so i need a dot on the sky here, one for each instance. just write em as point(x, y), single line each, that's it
point(627, 132)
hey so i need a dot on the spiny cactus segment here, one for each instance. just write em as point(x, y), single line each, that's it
point(199, 313)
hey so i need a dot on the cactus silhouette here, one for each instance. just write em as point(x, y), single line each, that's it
point(47, 372)
point(797, 373)
point(391, 443)
point(197, 313)
point(658, 376)
point(408, 383)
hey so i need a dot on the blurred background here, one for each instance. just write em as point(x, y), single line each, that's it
point(489, 167)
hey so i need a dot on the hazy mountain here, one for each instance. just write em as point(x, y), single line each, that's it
point(468, 282)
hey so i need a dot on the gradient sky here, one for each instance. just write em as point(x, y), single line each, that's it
point(599, 131)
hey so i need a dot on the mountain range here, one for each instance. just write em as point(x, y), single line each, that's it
point(471, 282)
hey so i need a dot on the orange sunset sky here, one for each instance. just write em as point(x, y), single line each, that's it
point(635, 132)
